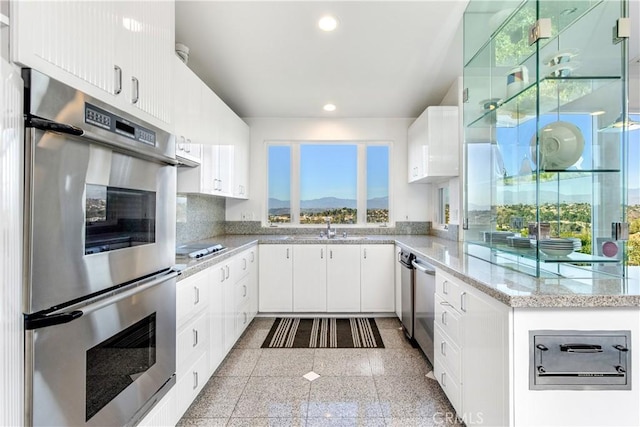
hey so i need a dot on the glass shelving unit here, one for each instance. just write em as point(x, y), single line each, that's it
point(540, 158)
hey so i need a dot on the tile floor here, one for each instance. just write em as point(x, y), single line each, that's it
point(355, 387)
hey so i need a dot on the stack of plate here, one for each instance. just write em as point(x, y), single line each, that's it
point(519, 242)
point(496, 236)
point(556, 247)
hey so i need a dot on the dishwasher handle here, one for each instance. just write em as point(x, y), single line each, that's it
point(424, 268)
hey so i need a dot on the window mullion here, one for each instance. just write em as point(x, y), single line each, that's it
point(362, 184)
point(295, 184)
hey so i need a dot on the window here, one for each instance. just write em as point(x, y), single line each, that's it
point(347, 182)
point(443, 206)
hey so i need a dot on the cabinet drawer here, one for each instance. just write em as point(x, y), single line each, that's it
point(190, 383)
point(191, 297)
point(243, 318)
point(243, 262)
point(447, 352)
point(448, 288)
point(447, 318)
point(450, 384)
point(192, 339)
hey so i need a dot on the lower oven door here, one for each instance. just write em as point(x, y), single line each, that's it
point(101, 368)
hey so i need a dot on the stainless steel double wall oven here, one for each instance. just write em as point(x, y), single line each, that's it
point(100, 242)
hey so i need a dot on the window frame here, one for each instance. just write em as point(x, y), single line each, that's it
point(361, 182)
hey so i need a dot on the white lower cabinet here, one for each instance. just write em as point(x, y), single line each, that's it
point(191, 383)
point(377, 290)
point(343, 278)
point(310, 278)
point(471, 348)
point(163, 414)
point(275, 278)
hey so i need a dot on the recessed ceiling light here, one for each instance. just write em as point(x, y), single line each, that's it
point(327, 23)
point(329, 107)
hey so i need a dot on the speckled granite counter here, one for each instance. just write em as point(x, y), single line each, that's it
point(510, 287)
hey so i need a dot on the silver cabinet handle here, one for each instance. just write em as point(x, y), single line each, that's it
point(463, 301)
point(253, 256)
point(244, 293)
point(330, 253)
point(444, 288)
point(365, 253)
point(245, 319)
point(195, 380)
point(443, 348)
point(117, 71)
point(287, 253)
point(226, 267)
point(222, 274)
point(321, 253)
point(188, 146)
point(135, 85)
point(244, 263)
point(443, 379)
point(444, 318)
point(181, 143)
point(195, 337)
point(196, 296)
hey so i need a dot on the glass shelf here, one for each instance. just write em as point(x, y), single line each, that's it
point(521, 107)
point(534, 254)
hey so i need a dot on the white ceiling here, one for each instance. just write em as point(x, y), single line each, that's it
point(269, 59)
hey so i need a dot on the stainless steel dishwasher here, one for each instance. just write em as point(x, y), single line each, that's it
point(425, 286)
point(407, 292)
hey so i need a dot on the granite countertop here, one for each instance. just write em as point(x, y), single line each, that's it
point(507, 286)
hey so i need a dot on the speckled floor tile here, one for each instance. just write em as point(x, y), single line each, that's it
point(286, 362)
point(411, 397)
point(437, 420)
point(398, 362)
point(203, 422)
point(388, 323)
point(252, 338)
point(274, 397)
point(393, 338)
point(342, 362)
point(239, 362)
point(218, 398)
point(345, 422)
point(262, 323)
point(344, 397)
point(266, 422)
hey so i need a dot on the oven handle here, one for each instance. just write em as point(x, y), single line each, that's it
point(51, 126)
point(39, 320)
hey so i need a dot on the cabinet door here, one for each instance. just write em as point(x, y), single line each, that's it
point(485, 357)
point(190, 384)
point(241, 138)
point(398, 282)
point(343, 278)
point(223, 169)
point(253, 282)
point(443, 142)
point(310, 278)
point(377, 288)
point(416, 141)
point(191, 342)
point(276, 278)
point(192, 296)
point(217, 350)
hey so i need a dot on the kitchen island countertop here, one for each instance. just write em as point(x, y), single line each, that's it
point(510, 287)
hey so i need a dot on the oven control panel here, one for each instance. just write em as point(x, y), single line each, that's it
point(106, 120)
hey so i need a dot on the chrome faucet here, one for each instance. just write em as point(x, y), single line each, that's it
point(330, 233)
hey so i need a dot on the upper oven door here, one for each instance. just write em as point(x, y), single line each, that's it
point(96, 218)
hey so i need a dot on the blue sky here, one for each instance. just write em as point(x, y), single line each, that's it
point(328, 170)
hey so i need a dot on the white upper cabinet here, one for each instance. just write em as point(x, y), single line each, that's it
point(433, 145)
point(187, 111)
point(118, 52)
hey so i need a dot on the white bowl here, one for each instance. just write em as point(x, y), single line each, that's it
point(561, 145)
point(556, 252)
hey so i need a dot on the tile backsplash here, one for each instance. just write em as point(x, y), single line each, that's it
point(255, 227)
point(199, 217)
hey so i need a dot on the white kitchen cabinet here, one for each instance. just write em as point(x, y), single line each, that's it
point(188, 387)
point(343, 278)
point(217, 350)
point(199, 179)
point(310, 278)
point(192, 296)
point(187, 112)
point(471, 349)
point(275, 278)
point(81, 44)
point(377, 282)
point(240, 135)
point(398, 282)
point(433, 145)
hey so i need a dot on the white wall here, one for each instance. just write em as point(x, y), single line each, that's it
point(410, 202)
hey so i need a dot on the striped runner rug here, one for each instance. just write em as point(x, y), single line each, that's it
point(322, 332)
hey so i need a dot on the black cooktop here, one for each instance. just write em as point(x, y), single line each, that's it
point(198, 250)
